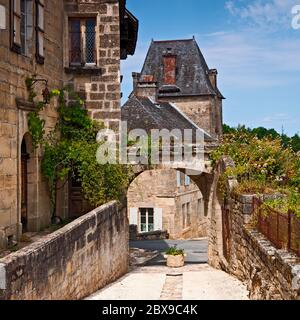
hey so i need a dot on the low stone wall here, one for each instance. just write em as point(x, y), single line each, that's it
point(71, 263)
point(269, 273)
point(134, 235)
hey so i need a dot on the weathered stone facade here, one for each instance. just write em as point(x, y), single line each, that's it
point(71, 263)
point(180, 204)
point(98, 83)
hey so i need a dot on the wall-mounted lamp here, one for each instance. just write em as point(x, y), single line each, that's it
point(45, 92)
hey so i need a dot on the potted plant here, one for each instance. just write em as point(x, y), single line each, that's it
point(175, 257)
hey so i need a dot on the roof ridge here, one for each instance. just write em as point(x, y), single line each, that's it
point(173, 40)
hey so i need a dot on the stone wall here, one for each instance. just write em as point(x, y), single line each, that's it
point(71, 263)
point(154, 235)
point(237, 247)
point(205, 111)
point(269, 273)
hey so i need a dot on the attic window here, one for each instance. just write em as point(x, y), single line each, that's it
point(169, 69)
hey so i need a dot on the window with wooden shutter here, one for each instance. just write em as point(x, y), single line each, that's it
point(40, 33)
point(15, 6)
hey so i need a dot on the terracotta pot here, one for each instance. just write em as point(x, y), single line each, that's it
point(175, 261)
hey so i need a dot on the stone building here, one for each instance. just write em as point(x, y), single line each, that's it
point(167, 200)
point(175, 90)
point(78, 43)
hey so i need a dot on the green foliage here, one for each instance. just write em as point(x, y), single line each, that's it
point(36, 128)
point(290, 202)
point(70, 151)
point(29, 85)
point(263, 165)
point(261, 133)
point(174, 251)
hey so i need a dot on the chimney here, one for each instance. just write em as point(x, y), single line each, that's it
point(170, 63)
point(146, 86)
point(212, 74)
point(135, 77)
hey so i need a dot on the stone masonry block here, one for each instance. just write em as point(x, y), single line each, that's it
point(2, 277)
point(245, 198)
point(247, 208)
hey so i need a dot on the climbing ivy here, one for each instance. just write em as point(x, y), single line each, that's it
point(69, 150)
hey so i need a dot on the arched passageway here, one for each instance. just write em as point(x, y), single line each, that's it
point(213, 207)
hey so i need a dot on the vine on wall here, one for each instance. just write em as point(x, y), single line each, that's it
point(69, 150)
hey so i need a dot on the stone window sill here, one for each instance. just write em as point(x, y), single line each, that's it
point(83, 70)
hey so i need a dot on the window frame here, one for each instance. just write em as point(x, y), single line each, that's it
point(83, 36)
point(15, 25)
point(40, 31)
point(16, 17)
point(147, 219)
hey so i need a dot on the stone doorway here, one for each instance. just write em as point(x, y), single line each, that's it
point(24, 186)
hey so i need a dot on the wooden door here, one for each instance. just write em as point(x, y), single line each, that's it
point(24, 191)
point(226, 233)
point(78, 205)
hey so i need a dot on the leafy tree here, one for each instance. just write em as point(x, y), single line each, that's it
point(261, 133)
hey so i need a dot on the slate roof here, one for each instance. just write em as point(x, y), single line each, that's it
point(143, 113)
point(192, 70)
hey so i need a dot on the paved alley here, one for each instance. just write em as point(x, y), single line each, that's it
point(154, 281)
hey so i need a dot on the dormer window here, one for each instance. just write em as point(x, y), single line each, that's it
point(169, 69)
point(82, 41)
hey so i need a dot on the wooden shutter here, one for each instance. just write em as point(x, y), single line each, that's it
point(187, 180)
point(178, 179)
point(2, 17)
point(15, 13)
point(40, 33)
point(158, 219)
point(133, 218)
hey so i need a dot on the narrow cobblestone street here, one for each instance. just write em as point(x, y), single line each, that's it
point(195, 281)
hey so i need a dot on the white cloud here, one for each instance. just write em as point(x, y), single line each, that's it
point(252, 59)
point(270, 14)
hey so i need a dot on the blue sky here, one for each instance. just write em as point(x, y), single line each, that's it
point(251, 43)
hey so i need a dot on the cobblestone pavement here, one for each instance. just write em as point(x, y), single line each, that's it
point(155, 281)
